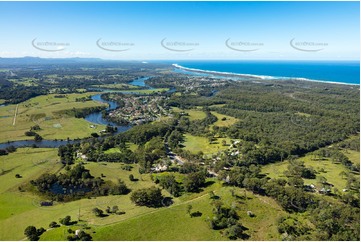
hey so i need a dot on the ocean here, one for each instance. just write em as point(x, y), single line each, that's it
point(347, 72)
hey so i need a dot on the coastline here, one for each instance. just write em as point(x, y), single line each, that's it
point(258, 77)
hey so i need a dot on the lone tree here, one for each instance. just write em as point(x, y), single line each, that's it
point(38, 138)
point(131, 177)
point(98, 212)
point(31, 233)
point(115, 209)
point(53, 225)
point(66, 220)
point(189, 209)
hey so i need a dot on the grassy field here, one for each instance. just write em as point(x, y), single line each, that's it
point(222, 123)
point(174, 223)
point(42, 111)
point(331, 171)
point(354, 156)
point(196, 143)
point(138, 223)
point(131, 146)
point(21, 207)
point(194, 114)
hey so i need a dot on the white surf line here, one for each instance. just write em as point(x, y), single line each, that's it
point(16, 112)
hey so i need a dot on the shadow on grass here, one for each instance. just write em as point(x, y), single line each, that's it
point(208, 183)
point(243, 197)
point(196, 214)
point(205, 185)
point(215, 197)
point(72, 223)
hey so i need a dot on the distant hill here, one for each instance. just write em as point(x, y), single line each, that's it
point(43, 61)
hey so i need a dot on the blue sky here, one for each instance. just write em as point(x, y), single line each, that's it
point(189, 30)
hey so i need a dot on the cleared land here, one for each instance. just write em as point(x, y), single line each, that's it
point(174, 223)
point(131, 146)
point(196, 144)
point(43, 110)
point(326, 168)
point(21, 207)
point(193, 113)
point(354, 156)
point(222, 123)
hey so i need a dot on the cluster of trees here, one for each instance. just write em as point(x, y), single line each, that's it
point(337, 156)
point(332, 222)
point(291, 228)
point(291, 198)
point(243, 176)
point(226, 218)
point(14, 94)
point(32, 233)
point(352, 144)
point(191, 182)
point(32, 132)
point(67, 153)
point(174, 138)
point(83, 99)
point(297, 169)
point(100, 213)
point(197, 127)
point(80, 112)
point(150, 197)
point(169, 183)
point(143, 133)
point(82, 236)
point(66, 220)
point(150, 153)
point(75, 183)
point(7, 150)
point(336, 222)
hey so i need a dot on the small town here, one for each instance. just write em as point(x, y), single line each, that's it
point(135, 110)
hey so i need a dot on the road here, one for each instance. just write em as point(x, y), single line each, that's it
point(16, 113)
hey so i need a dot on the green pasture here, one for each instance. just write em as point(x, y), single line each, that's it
point(45, 111)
